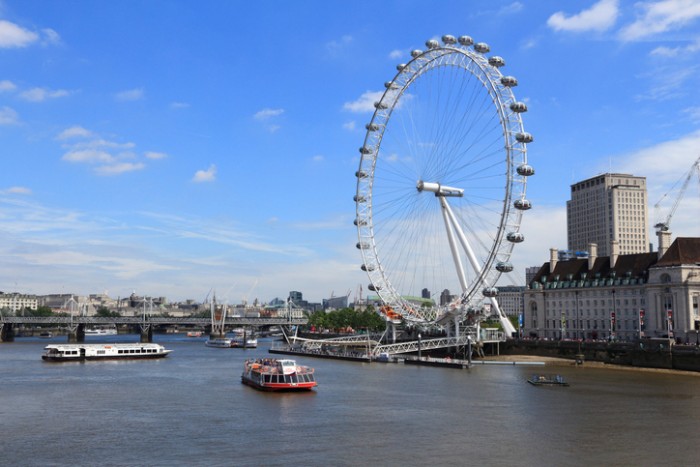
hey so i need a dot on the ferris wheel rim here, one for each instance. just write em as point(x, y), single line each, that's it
point(499, 90)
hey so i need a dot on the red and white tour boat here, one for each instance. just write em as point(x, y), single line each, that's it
point(270, 374)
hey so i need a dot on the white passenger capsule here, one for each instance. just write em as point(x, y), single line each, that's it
point(400, 67)
point(490, 292)
point(525, 170)
point(365, 150)
point(371, 127)
point(518, 107)
point(374, 288)
point(524, 137)
point(515, 237)
point(359, 199)
point(432, 44)
point(362, 245)
point(482, 47)
point(360, 222)
point(504, 266)
point(509, 81)
point(522, 204)
point(465, 41)
point(380, 105)
point(448, 39)
point(361, 174)
point(416, 52)
point(367, 267)
point(391, 85)
point(497, 61)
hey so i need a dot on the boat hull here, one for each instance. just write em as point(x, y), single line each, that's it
point(85, 352)
point(278, 387)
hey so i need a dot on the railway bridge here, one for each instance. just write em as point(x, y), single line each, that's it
point(76, 324)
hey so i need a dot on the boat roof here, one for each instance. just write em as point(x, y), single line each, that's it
point(103, 346)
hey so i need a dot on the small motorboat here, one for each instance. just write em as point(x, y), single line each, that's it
point(547, 380)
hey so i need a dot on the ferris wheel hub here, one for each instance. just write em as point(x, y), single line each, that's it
point(439, 190)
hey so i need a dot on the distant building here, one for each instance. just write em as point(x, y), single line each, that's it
point(607, 208)
point(510, 300)
point(425, 293)
point(14, 302)
point(335, 303)
point(609, 297)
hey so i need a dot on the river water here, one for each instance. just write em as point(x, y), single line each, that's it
point(191, 409)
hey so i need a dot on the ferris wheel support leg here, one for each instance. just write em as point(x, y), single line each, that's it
point(505, 322)
point(462, 238)
point(449, 223)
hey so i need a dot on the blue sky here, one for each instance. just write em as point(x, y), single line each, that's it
point(172, 147)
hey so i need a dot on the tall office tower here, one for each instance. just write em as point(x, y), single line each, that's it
point(605, 208)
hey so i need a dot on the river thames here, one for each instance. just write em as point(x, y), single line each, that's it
point(191, 409)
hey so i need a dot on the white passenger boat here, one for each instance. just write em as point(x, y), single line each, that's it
point(101, 331)
point(221, 342)
point(270, 374)
point(244, 342)
point(80, 352)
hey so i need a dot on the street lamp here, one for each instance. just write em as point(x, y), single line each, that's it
point(578, 322)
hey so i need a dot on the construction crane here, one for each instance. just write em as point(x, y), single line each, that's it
point(663, 226)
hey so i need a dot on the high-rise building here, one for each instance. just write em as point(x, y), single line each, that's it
point(607, 208)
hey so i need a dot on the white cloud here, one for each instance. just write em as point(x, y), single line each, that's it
point(318, 158)
point(661, 16)
point(336, 46)
point(179, 105)
point(155, 155)
point(514, 7)
point(50, 36)
point(42, 94)
point(119, 168)
point(18, 190)
point(266, 114)
point(365, 103)
point(599, 17)
point(13, 36)
point(88, 156)
point(8, 116)
point(6, 86)
point(396, 54)
point(670, 52)
point(208, 175)
point(74, 132)
point(130, 95)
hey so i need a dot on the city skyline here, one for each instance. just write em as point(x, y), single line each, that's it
point(167, 148)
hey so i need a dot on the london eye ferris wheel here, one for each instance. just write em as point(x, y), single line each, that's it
point(441, 183)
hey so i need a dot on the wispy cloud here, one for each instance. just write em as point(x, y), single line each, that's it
point(396, 54)
point(42, 94)
point(130, 95)
point(74, 132)
point(106, 157)
point(17, 190)
point(155, 155)
point(365, 103)
point(266, 114)
point(599, 17)
point(672, 52)
point(335, 47)
point(202, 176)
point(8, 116)
point(6, 86)
point(179, 105)
point(349, 125)
point(659, 17)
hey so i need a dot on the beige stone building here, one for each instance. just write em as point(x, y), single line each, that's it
point(606, 208)
point(609, 297)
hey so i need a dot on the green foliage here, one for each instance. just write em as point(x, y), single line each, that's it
point(103, 312)
point(347, 317)
point(41, 311)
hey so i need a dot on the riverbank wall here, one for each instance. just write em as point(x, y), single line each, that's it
point(644, 353)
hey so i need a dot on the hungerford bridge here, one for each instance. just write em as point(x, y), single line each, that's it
point(76, 324)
